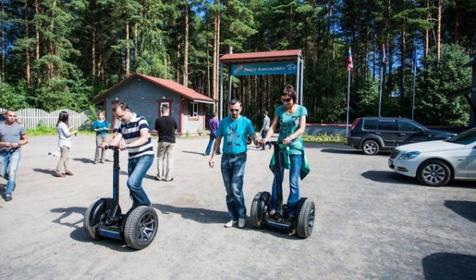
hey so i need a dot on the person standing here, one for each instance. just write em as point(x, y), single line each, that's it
point(165, 126)
point(133, 135)
point(265, 127)
point(234, 130)
point(213, 125)
point(64, 143)
point(101, 127)
point(12, 137)
point(292, 124)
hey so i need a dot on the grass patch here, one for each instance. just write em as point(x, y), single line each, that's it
point(325, 139)
point(42, 130)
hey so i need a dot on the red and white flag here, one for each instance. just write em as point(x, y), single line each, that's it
point(348, 60)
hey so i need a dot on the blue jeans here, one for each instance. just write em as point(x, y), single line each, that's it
point(137, 169)
point(210, 144)
point(233, 171)
point(10, 159)
point(294, 182)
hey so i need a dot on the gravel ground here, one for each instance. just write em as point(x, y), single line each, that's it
point(371, 223)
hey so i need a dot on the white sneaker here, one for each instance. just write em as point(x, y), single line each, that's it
point(231, 223)
point(241, 222)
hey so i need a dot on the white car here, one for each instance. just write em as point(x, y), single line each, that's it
point(435, 163)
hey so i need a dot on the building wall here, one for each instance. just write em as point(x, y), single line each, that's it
point(143, 97)
point(193, 125)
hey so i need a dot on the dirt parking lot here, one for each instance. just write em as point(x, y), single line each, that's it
point(371, 223)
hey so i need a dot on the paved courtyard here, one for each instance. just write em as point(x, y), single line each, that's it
point(371, 223)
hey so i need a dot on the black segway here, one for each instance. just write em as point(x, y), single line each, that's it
point(302, 224)
point(104, 218)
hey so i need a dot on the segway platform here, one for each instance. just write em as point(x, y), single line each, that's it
point(302, 225)
point(104, 219)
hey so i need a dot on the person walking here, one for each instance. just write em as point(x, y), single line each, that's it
point(64, 143)
point(133, 135)
point(265, 127)
point(213, 125)
point(101, 127)
point(234, 130)
point(12, 137)
point(292, 124)
point(165, 126)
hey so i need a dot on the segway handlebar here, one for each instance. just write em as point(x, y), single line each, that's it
point(111, 147)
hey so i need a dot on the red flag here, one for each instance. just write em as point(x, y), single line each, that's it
point(348, 60)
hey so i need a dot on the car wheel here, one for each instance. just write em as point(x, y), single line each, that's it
point(434, 173)
point(370, 147)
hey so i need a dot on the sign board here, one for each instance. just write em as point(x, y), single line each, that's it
point(269, 68)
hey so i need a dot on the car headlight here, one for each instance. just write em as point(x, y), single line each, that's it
point(409, 155)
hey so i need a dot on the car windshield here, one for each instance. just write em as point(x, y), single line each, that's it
point(464, 138)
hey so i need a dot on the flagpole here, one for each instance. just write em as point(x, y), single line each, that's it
point(414, 79)
point(348, 103)
point(382, 65)
point(380, 92)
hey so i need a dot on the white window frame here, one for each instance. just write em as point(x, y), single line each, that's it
point(194, 112)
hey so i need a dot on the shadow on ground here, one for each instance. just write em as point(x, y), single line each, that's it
point(350, 151)
point(193, 152)
point(200, 215)
point(449, 266)
point(79, 234)
point(84, 160)
point(340, 151)
point(388, 177)
point(44, 170)
point(466, 209)
point(206, 216)
point(395, 178)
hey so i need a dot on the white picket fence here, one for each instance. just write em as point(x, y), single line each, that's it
point(31, 117)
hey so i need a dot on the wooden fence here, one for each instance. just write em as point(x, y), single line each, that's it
point(31, 118)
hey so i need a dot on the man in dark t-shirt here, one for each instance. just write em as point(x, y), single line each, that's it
point(165, 126)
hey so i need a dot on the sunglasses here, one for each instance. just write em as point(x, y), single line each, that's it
point(234, 110)
point(286, 100)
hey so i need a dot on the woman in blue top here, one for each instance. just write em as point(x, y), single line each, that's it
point(101, 127)
point(292, 123)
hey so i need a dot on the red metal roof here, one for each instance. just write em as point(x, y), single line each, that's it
point(178, 88)
point(168, 84)
point(259, 56)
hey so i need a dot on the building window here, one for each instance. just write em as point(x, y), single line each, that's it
point(193, 109)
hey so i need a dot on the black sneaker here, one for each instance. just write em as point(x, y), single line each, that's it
point(8, 197)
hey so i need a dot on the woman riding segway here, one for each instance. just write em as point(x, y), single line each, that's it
point(292, 123)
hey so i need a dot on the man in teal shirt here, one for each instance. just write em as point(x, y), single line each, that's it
point(234, 130)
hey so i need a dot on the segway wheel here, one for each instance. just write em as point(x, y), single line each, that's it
point(259, 206)
point(305, 221)
point(94, 216)
point(141, 227)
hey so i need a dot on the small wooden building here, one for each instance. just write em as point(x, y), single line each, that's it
point(145, 95)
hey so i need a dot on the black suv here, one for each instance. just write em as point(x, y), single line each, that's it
point(372, 134)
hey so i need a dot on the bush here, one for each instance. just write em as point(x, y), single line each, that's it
point(325, 138)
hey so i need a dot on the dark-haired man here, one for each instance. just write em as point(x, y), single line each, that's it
point(12, 137)
point(134, 130)
point(234, 130)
